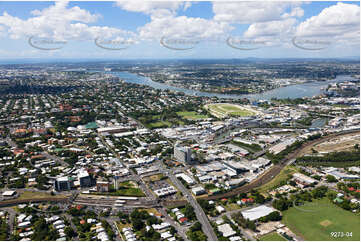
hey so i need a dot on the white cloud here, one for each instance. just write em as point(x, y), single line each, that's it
point(337, 21)
point(271, 29)
point(58, 22)
point(159, 8)
point(183, 26)
point(165, 22)
point(253, 12)
point(295, 12)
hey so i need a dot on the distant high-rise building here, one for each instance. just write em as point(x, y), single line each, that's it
point(183, 154)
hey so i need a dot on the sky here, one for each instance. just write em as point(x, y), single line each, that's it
point(179, 29)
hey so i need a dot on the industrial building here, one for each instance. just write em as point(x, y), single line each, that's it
point(257, 212)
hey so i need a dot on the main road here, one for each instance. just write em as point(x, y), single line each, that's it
point(201, 216)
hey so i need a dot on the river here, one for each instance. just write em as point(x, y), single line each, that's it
point(293, 91)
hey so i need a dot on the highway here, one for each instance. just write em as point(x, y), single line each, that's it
point(201, 216)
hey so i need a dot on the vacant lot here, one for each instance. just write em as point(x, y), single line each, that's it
point(316, 221)
point(154, 178)
point(36, 195)
point(272, 237)
point(222, 110)
point(339, 143)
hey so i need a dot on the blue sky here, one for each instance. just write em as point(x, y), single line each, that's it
point(134, 29)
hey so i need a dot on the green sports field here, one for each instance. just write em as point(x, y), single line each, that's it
point(192, 115)
point(272, 237)
point(227, 109)
point(316, 220)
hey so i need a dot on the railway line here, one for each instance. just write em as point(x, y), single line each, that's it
point(268, 175)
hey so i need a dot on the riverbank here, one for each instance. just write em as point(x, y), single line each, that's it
point(308, 89)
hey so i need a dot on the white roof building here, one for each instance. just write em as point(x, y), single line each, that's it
point(198, 190)
point(220, 209)
point(186, 178)
point(226, 230)
point(166, 235)
point(257, 212)
point(9, 193)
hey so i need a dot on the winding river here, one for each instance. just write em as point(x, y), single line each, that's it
point(292, 91)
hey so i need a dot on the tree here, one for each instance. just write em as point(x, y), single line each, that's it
point(70, 233)
point(331, 179)
point(152, 220)
point(259, 198)
point(138, 224)
point(4, 230)
point(172, 230)
point(196, 226)
point(189, 212)
point(292, 183)
point(281, 204)
point(274, 216)
point(319, 192)
point(122, 215)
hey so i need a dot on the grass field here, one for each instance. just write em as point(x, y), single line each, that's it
point(159, 124)
point(127, 184)
point(283, 175)
point(157, 121)
point(272, 237)
point(222, 110)
point(192, 115)
point(316, 221)
point(232, 206)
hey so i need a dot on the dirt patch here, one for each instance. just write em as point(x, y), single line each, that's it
point(339, 143)
point(326, 223)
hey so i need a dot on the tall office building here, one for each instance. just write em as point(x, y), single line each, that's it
point(62, 184)
point(183, 154)
point(84, 179)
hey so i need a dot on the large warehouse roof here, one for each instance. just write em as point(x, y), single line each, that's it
point(257, 212)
